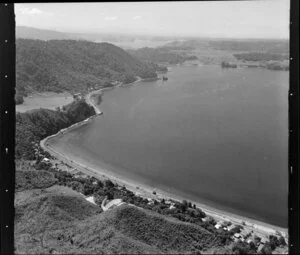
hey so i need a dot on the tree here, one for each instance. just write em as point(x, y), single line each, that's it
point(87, 189)
point(184, 205)
point(281, 241)
point(108, 184)
point(109, 194)
point(99, 185)
point(241, 248)
point(266, 249)
point(273, 242)
point(210, 220)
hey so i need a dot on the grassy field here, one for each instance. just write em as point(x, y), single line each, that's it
point(48, 100)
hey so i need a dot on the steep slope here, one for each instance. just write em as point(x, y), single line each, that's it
point(59, 65)
point(60, 220)
point(43, 214)
point(162, 233)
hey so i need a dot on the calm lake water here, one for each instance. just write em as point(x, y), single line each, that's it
point(217, 136)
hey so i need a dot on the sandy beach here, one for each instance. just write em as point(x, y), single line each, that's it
point(102, 172)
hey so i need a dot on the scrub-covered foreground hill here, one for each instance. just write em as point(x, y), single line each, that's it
point(70, 65)
point(55, 219)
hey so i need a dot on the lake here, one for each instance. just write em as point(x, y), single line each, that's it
point(218, 136)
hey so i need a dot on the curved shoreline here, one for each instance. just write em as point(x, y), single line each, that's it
point(259, 227)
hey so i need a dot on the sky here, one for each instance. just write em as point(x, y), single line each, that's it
point(223, 19)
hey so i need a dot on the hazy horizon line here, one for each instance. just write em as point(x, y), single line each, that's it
point(112, 33)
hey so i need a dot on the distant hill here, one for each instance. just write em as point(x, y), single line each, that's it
point(257, 45)
point(40, 34)
point(70, 65)
point(160, 55)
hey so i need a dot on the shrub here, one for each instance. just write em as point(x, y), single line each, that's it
point(266, 249)
point(109, 184)
point(273, 242)
point(241, 248)
point(87, 189)
point(281, 241)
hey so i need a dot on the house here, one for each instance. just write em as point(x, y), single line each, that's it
point(46, 160)
point(260, 248)
point(218, 225)
point(111, 204)
point(249, 240)
point(245, 234)
point(172, 207)
point(150, 201)
point(231, 227)
point(264, 239)
point(237, 235)
point(77, 96)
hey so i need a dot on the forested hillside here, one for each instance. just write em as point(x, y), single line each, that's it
point(35, 125)
point(60, 65)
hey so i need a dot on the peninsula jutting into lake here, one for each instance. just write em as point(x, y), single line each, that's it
point(137, 144)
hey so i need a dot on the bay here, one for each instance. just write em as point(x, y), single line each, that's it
point(218, 136)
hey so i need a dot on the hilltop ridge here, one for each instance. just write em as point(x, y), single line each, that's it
point(70, 65)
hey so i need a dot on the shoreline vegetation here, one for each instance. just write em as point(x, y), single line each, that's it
point(258, 227)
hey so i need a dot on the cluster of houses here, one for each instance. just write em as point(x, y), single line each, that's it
point(167, 202)
point(245, 234)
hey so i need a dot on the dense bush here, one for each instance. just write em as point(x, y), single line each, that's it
point(281, 241)
point(33, 126)
point(266, 249)
point(241, 248)
point(60, 65)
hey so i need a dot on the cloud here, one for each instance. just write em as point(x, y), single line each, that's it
point(33, 11)
point(110, 18)
point(137, 17)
